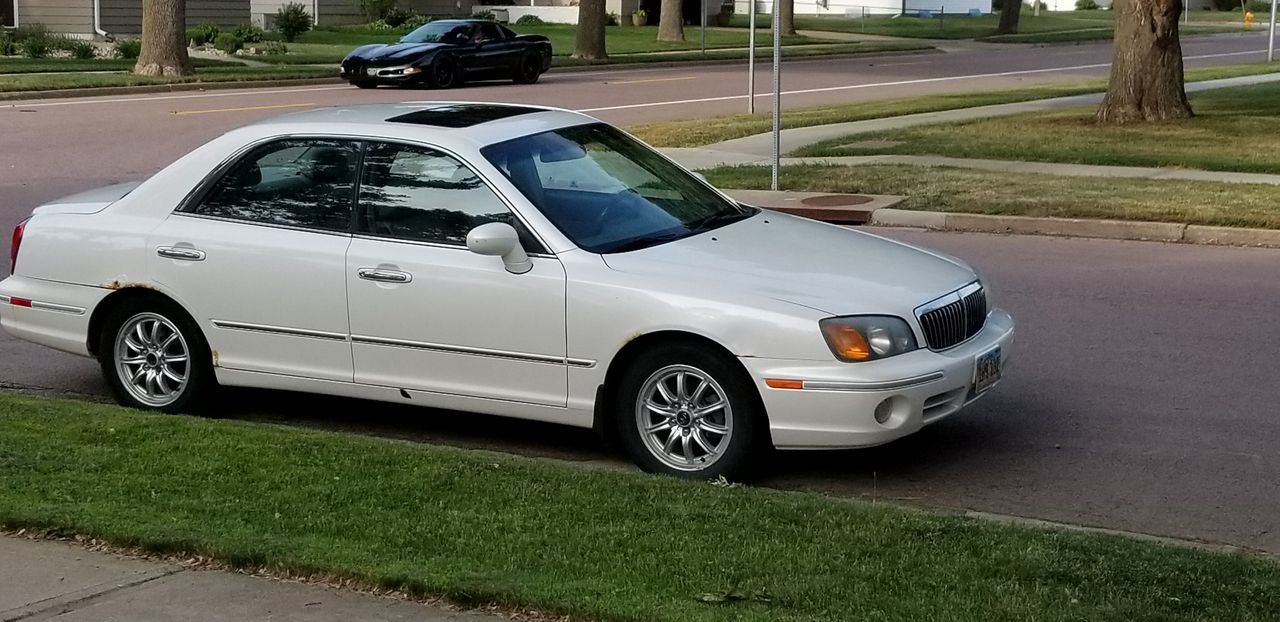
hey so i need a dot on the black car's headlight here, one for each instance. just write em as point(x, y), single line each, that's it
point(867, 337)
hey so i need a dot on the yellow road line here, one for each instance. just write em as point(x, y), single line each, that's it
point(243, 109)
point(655, 80)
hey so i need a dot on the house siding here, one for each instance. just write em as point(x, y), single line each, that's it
point(124, 17)
point(64, 16)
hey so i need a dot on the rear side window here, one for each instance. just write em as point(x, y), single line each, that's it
point(305, 183)
point(416, 193)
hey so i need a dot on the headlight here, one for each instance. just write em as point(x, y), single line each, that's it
point(867, 337)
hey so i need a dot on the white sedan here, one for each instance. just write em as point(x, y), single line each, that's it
point(511, 260)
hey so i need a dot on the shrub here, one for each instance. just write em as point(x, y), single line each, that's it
point(529, 20)
point(485, 14)
point(82, 50)
point(374, 10)
point(35, 47)
point(248, 33)
point(414, 23)
point(228, 43)
point(1258, 6)
point(292, 20)
point(397, 17)
point(8, 47)
point(1226, 5)
point(379, 26)
point(33, 30)
point(274, 48)
point(1086, 5)
point(611, 20)
point(203, 34)
point(128, 48)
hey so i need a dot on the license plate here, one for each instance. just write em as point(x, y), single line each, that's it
point(986, 370)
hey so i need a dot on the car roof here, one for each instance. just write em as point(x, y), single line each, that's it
point(479, 123)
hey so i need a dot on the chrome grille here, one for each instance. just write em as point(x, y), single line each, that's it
point(956, 321)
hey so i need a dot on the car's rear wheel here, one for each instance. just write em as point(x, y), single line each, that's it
point(690, 413)
point(444, 72)
point(154, 357)
point(365, 85)
point(529, 69)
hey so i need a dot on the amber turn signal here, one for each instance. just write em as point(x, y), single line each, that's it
point(846, 341)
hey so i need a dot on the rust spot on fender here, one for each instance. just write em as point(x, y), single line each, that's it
point(117, 284)
point(214, 356)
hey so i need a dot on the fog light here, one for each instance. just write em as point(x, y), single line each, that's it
point(884, 410)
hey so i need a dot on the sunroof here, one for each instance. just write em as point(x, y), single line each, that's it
point(461, 115)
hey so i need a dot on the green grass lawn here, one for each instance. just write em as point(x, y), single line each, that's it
point(483, 528)
point(1236, 129)
point(221, 73)
point(705, 131)
point(16, 65)
point(941, 189)
point(1048, 27)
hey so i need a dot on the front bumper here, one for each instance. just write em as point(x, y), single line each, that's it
point(836, 409)
point(397, 74)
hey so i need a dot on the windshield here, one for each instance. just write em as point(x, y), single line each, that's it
point(439, 32)
point(607, 192)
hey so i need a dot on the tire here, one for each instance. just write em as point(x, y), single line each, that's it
point(722, 437)
point(529, 69)
point(168, 383)
point(443, 73)
point(365, 85)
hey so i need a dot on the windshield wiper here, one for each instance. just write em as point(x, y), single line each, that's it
point(646, 241)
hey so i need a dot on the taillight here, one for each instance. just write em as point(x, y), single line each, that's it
point(13, 248)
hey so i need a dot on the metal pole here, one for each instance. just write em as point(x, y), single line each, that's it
point(777, 88)
point(704, 27)
point(751, 61)
point(864, 20)
point(1271, 35)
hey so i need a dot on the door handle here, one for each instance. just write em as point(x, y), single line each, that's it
point(185, 254)
point(384, 276)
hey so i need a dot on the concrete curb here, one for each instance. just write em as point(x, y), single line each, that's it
point(1079, 228)
point(267, 84)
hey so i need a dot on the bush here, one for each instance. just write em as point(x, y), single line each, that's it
point(8, 47)
point(273, 48)
point(292, 20)
point(1086, 5)
point(228, 43)
point(248, 33)
point(529, 20)
point(34, 30)
point(128, 48)
point(397, 17)
point(1226, 5)
point(485, 14)
point(203, 34)
point(378, 25)
point(81, 50)
point(35, 47)
point(414, 23)
point(374, 10)
point(1258, 6)
point(611, 20)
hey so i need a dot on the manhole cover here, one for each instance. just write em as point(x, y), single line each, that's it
point(835, 200)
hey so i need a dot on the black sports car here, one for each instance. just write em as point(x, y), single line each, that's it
point(444, 53)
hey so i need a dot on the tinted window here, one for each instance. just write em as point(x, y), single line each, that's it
point(506, 32)
point(300, 183)
point(414, 193)
point(440, 32)
point(489, 32)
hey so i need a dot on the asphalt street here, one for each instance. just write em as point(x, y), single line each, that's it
point(1143, 386)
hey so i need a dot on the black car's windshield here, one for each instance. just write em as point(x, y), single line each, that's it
point(607, 192)
point(440, 32)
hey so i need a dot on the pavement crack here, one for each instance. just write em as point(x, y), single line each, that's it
point(54, 606)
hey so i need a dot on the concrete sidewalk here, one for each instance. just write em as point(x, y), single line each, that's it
point(44, 580)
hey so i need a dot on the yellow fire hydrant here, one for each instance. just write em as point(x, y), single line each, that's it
point(1248, 19)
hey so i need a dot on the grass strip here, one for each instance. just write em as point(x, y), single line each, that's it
point(50, 65)
point(705, 131)
point(238, 73)
point(1235, 129)
point(944, 189)
point(480, 528)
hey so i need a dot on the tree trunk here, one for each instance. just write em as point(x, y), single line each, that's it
point(1146, 66)
point(589, 42)
point(1010, 11)
point(671, 21)
point(164, 39)
point(787, 19)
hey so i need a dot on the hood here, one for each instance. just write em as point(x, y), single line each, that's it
point(824, 267)
point(405, 52)
point(89, 201)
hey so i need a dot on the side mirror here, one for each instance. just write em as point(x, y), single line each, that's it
point(499, 239)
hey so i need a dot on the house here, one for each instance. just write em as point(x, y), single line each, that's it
point(338, 12)
point(91, 19)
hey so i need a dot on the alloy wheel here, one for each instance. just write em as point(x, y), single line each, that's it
point(152, 359)
point(684, 417)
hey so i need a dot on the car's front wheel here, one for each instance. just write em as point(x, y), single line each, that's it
point(154, 357)
point(444, 72)
point(691, 413)
point(529, 69)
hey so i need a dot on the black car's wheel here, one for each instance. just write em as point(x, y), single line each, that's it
point(444, 72)
point(154, 357)
point(365, 85)
point(691, 413)
point(529, 69)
